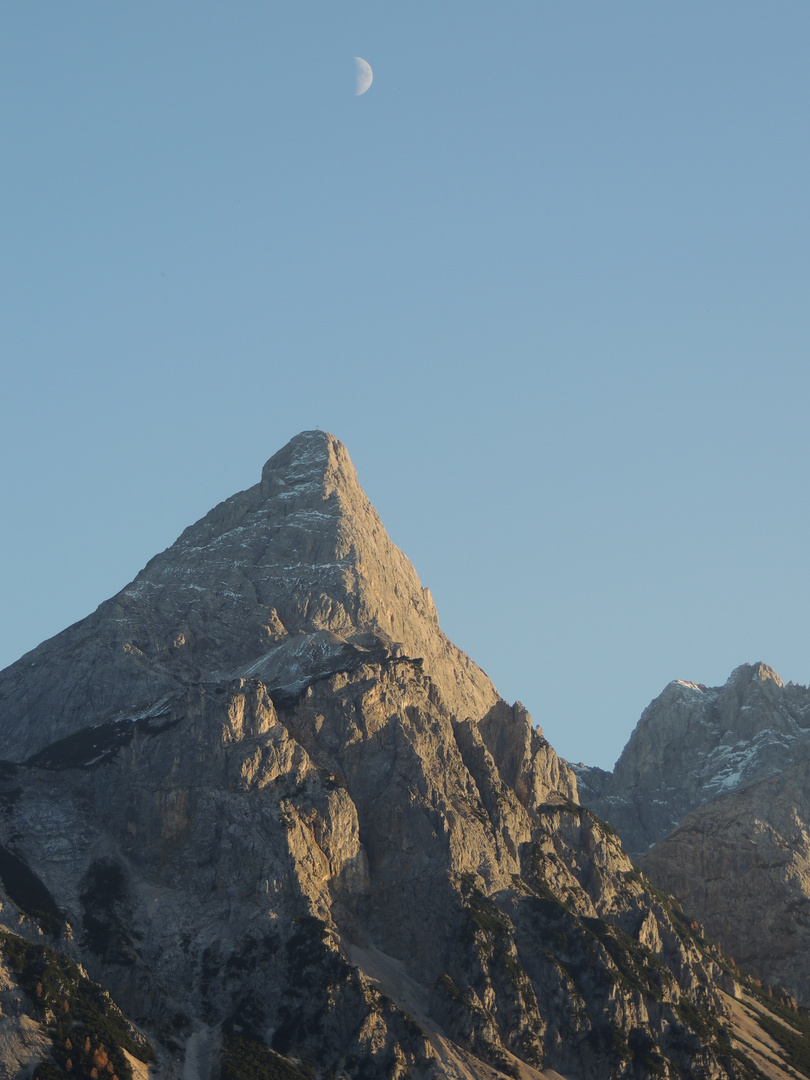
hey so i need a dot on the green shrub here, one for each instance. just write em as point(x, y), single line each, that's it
point(246, 1058)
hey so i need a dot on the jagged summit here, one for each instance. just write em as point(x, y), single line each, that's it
point(746, 673)
point(694, 743)
point(740, 677)
point(710, 796)
point(305, 545)
point(302, 553)
point(311, 480)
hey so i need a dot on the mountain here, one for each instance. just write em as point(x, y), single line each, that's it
point(279, 580)
point(261, 819)
point(711, 797)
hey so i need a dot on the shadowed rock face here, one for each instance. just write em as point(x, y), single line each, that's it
point(710, 794)
point(267, 802)
point(741, 864)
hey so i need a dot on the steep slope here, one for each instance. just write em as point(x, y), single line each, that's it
point(295, 831)
point(351, 880)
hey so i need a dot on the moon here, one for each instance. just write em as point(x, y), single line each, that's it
point(364, 75)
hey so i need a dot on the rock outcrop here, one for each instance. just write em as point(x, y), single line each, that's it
point(294, 831)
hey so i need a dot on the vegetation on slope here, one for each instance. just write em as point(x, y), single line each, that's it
point(89, 1032)
point(244, 1057)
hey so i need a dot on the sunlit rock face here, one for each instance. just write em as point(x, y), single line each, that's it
point(301, 552)
point(710, 795)
point(267, 804)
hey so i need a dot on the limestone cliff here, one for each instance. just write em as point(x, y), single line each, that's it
point(294, 831)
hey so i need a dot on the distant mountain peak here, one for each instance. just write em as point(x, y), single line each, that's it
point(694, 743)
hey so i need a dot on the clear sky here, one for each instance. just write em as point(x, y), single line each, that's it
point(547, 279)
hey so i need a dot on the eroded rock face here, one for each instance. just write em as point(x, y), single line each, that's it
point(337, 870)
point(711, 797)
point(741, 863)
point(694, 743)
point(263, 798)
point(303, 552)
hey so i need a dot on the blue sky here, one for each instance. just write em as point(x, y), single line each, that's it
point(547, 279)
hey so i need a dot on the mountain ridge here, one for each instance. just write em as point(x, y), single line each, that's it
point(262, 800)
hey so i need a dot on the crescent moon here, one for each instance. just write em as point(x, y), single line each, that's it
point(364, 75)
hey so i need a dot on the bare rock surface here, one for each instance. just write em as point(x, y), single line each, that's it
point(764, 1051)
point(741, 863)
point(23, 1041)
point(301, 553)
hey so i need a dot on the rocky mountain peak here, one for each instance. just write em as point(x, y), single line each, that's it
point(742, 676)
point(710, 797)
point(694, 743)
point(311, 457)
point(308, 506)
point(299, 565)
